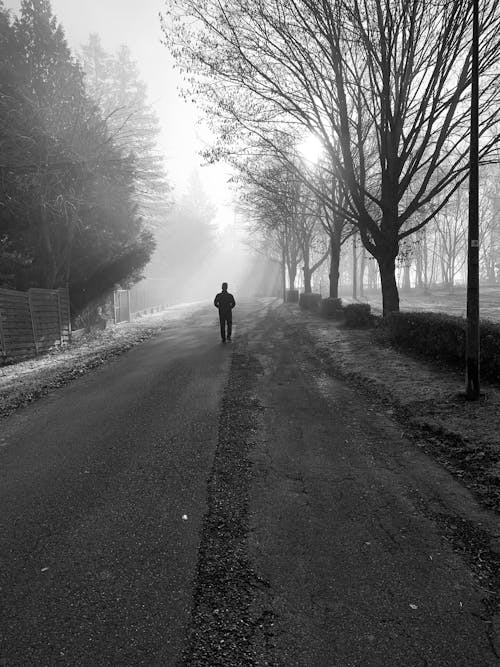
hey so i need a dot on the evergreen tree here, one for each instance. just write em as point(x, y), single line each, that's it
point(96, 64)
point(114, 83)
point(68, 215)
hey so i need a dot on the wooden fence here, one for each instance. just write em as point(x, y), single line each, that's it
point(33, 322)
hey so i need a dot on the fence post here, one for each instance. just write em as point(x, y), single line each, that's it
point(33, 328)
point(59, 316)
point(67, 307)
point(129, 319)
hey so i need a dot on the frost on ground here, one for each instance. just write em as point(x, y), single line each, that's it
point(426, 396)
point(26, 381)
point(427, 399)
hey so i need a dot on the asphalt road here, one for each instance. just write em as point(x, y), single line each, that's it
point(102, 492)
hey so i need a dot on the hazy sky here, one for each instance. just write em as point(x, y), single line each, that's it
point(136, 23)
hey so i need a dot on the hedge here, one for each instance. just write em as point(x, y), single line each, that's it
point(443, 336)
point(358, 315)
point(331, 308)
point(310, 301)
point(292, 295)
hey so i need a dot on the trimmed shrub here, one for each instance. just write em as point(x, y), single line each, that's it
point(443, 337)
point(331, 308)
point(292, 295)
point(358, 315)
point(310, 301)
point(433, 334)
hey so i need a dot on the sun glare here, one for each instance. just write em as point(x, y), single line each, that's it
point(311, 148)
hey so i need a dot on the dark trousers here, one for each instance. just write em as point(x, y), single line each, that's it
point(225, 318)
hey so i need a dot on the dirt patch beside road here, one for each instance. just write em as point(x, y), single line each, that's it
point(424, 396)
point(426, 399)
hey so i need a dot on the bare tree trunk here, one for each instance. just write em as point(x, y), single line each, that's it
point(434, 263)
point(310, 270)
point(334, 278)
point(307, 270)
point(390, 295)
point(490, 259)
point(425, 260)
point(334, 273)
point(418, 267)
point(406, 276)
point(307, 281)
point(283, 271)
point(362, 271)
point(354, 269)
point(292, 273)
point(372, 275)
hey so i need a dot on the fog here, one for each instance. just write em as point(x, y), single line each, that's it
point(230, 260)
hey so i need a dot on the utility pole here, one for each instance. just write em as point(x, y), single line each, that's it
point(472, 340)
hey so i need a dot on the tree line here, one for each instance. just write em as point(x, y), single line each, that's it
point(383, 85)
point(82, 186)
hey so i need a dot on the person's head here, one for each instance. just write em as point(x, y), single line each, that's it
point(224, 287)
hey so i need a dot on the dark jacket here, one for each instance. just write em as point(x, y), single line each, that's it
point(224, 302)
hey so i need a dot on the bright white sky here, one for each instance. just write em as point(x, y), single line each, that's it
point(136, 24)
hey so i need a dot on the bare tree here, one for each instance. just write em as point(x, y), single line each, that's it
point(451, 232)
point(331, 202)
point(270, 202)
point(490, 225)
point(386, 81)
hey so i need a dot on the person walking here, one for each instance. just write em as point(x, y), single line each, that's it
point(225, 303)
